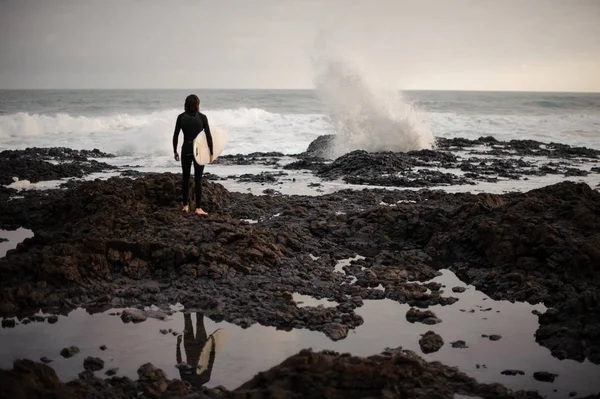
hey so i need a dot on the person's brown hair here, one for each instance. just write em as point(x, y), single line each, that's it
point(192, 103)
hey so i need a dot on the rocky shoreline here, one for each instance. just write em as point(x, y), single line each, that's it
point(124, 242)
point(394, 373)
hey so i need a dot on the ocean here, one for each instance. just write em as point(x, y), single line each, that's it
point(137, 125)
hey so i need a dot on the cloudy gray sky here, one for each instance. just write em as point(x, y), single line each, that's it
point(412, 44)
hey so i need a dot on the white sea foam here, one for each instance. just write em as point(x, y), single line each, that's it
point(365, 113)
point(249, 129)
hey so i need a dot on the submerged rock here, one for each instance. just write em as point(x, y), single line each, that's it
point(69, 352)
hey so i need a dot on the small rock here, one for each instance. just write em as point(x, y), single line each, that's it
point(164, 331)
point(103, 348)
point(431, 342)
point(495, 337)
point(459, 344)
point(133, 315)
point(52, 319)
point(8, 323)
point(93, 363)
point(111, 372)
point(458, 289)
point(512, 372)
point(44, 359)
point(69, 352)
point(544, 376)
point(336, 331)
point(426, 317)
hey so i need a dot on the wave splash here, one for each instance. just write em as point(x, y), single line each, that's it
point(365, 115)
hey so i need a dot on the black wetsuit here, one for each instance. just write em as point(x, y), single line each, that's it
point(193, 346)
point(191, 124)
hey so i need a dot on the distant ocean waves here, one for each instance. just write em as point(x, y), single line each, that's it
point(256, 129)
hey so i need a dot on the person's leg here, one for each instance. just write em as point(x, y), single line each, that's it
point(186, 165)
point(198, 171)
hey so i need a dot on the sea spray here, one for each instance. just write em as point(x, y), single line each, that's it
point(364, 114)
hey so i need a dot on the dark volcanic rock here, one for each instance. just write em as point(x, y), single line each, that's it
point(540, 246)
point(360, 162)
point(263, 177)
point(262, 158)
point(311, 374)
point(69, 352)
point(305, 375)
point(8, 323)
point(426, 317)
point(93, 363)
point(512, 372)
point(460, 344)
point(321, 147)
point(431, 342)
point(32, 164)
point(544, 376)
point(313, 164)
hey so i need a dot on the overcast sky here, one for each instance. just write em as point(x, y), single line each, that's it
point(548, 45)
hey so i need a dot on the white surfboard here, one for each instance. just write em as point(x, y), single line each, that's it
point(201, 150)
point(214, 344)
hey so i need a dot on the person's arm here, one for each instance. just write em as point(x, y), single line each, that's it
point(176, 137)
point(207, 132)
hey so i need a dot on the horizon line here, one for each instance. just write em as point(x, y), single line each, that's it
point(296, 89)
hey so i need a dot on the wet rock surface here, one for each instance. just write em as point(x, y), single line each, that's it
point(539, 246)
point(483, 160)
point(431, 342)
point(38, 164)
point(305, 375)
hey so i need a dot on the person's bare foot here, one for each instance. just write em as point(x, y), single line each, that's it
point(186, 209)
point(199, 211)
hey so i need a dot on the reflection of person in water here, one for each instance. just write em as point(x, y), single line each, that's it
point(194, 349)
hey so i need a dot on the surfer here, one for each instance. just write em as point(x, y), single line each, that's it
point(194, 346)
point(191, 122)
